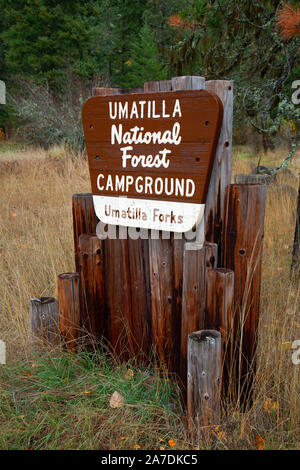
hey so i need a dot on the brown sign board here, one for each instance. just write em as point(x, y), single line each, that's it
point(154, 146)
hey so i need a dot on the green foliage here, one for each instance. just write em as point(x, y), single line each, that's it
point(45, 39)
point(144, 64)
point(238, 40)
point(105, 43)
point(119, 26)
point(45, 120)
point(62, 402)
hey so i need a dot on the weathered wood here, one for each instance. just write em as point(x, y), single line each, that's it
point(189, 82)
point(139, 322)
point(131, 91)
point(92, 295)
point(84, 219)
point(219, 301)
point(242, 252)
point(195, 263)
point(253, 179)
point(118, 295)
point(221, 173)
point(161, 282)
point(103, 91)
point(162, 85)
point(69, 309)
point(295, 267)
point(44, 323)
point(219, 315)
point(203, 391)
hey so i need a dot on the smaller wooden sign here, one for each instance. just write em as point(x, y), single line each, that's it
point(151, 155)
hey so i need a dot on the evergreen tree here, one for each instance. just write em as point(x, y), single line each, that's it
point(121, 22)
point(45, 39)
point(144, 64)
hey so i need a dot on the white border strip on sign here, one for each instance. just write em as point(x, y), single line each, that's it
point(191, 214)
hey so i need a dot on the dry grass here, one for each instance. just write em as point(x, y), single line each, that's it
point(36, 244)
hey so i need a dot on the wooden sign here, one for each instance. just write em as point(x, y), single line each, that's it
point(151, 155)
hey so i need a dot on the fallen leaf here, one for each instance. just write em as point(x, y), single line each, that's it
point(260, 442)
point(116, 400)
point(28, 373)
point(129, 374)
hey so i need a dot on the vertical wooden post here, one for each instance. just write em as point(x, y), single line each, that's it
point(203, 390)
point(139, 336)
point(295, 267)
point(84, 219)
point(104, 91)
point(44, 319)
point(69, 308)
point(195, 263)
point(162, 85)
point(242, 252)
point(221, 173)
point(161, 281)
point(219, 316)
point(92, 302)
point(219, 301)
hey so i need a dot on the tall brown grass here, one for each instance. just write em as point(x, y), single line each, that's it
point(36, 244)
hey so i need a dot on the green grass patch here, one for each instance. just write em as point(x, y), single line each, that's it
point(62, 402)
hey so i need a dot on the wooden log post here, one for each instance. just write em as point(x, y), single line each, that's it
point(84, 219)
point(195, 263)
point(104, 91)
point(219, 302)
point(69, 309)
point(203, 389)
point(44, 322)
point(92, 298)
point(221, 173)
point(242, 253)
point(219, 316)
point(139, 334)
point(162, 302)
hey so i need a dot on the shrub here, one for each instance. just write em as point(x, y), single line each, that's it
point(45, 119)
